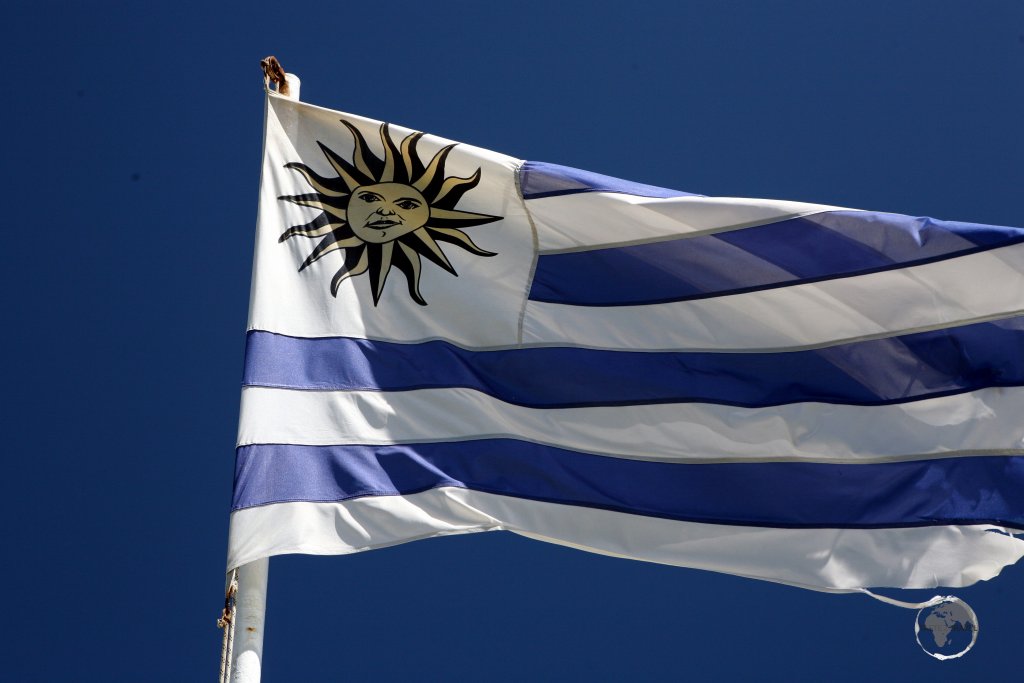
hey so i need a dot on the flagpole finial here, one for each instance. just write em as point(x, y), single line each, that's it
point(273, 71)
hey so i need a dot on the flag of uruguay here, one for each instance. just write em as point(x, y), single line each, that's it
point(443, 339)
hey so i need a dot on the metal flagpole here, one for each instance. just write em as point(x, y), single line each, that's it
point(251, 598)
point(251, 606)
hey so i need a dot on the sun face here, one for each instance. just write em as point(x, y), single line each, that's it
point(384, 213)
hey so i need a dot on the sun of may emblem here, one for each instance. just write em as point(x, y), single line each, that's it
point(386, 212)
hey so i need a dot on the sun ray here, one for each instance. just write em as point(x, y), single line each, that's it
point(411, 267)
point(359, 153)
point(434, 169)
point(452, 236)
point(346, 171)
point(430, 249)
point(456, 187)
point(409, 156)
point(315, 181)
point(391, 167)
point(380, 264)
point(360, 263)
point(315, 202)
point(326, 246)
point(453, 218)
point(319, 226)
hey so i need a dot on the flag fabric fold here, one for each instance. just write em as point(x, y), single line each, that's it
point(443, 339)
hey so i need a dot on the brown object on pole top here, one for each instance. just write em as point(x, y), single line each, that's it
point(273, 71)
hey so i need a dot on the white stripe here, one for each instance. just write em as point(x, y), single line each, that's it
point(591, 219)
point(984, 421)
point(843, 559)
point(936, 294)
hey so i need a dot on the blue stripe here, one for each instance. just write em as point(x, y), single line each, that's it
point(799, 250)
point(538, 179)
point(968, 490)
point(875, 372)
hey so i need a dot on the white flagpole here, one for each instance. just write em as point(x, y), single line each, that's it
point(251, 599)
point(251, 610)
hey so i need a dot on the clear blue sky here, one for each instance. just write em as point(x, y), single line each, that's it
point(131, 163)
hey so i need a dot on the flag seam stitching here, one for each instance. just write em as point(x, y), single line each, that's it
point(517, 175)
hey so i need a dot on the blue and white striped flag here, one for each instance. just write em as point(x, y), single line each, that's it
point(443, 339)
